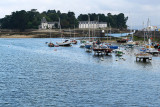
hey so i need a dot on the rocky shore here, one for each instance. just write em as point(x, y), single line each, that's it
point(54, 33)
point(138, 35)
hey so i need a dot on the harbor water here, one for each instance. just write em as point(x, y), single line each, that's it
point(35, 75)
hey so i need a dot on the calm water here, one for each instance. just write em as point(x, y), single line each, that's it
point(32, 74)
point(118, 34)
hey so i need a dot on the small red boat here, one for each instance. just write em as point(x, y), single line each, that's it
point(73, 41)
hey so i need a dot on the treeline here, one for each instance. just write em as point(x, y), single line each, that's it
point(32, 19)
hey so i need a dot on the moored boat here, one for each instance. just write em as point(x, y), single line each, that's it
point(50, 44)
point(118, 52)
point(122, 41)
point(64, 43)
point(73, 41)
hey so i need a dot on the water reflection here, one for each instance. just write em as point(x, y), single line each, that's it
point(32, 74)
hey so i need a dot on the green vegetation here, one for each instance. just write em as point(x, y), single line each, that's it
point(116, 21)
point(22, 20)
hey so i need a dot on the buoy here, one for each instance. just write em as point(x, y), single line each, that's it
point(102, 59)
point(55, 49)
point(116, 59)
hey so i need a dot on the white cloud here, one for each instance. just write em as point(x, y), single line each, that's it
point(137, 10)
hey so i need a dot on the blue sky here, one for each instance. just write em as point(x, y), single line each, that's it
point(138, 10)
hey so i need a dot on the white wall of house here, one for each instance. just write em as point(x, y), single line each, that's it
point(92, 24)
point(44, 25)
point(47, 25)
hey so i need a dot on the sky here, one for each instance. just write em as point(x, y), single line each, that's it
point(138, 11)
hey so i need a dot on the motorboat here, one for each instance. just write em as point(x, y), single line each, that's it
point(64, 43)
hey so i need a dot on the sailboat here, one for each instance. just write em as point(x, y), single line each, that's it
point(74, 41)
point(149, 47)
point(89, 44)
point(131, 43)
point(50, 43)
point(64, 42)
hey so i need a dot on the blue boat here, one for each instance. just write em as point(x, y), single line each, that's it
point(88, 46)
point(113, 47)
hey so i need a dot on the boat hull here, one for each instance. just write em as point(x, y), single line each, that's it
point(64, 44)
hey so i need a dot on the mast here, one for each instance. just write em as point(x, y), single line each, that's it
point(74, 31)
point(89, 26)
point(110, 32)
point(50, 35)
point(98, 27)
point(107, 35)
point(70, 32)
point(154, 34)
point(131, 30)
point(144, 32)
point(148, 29)
point(60, 27)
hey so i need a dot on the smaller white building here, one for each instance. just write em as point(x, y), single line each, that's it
point(47, 25)
point(151, 28)
point(92, 24)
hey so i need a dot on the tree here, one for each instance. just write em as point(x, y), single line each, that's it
point(32, 19)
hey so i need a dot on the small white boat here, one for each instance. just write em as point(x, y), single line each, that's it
point(82, 45)
point(64, 43)
point(130, 44)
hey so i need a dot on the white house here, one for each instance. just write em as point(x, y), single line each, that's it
point(92, 24)
point(47, 25)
